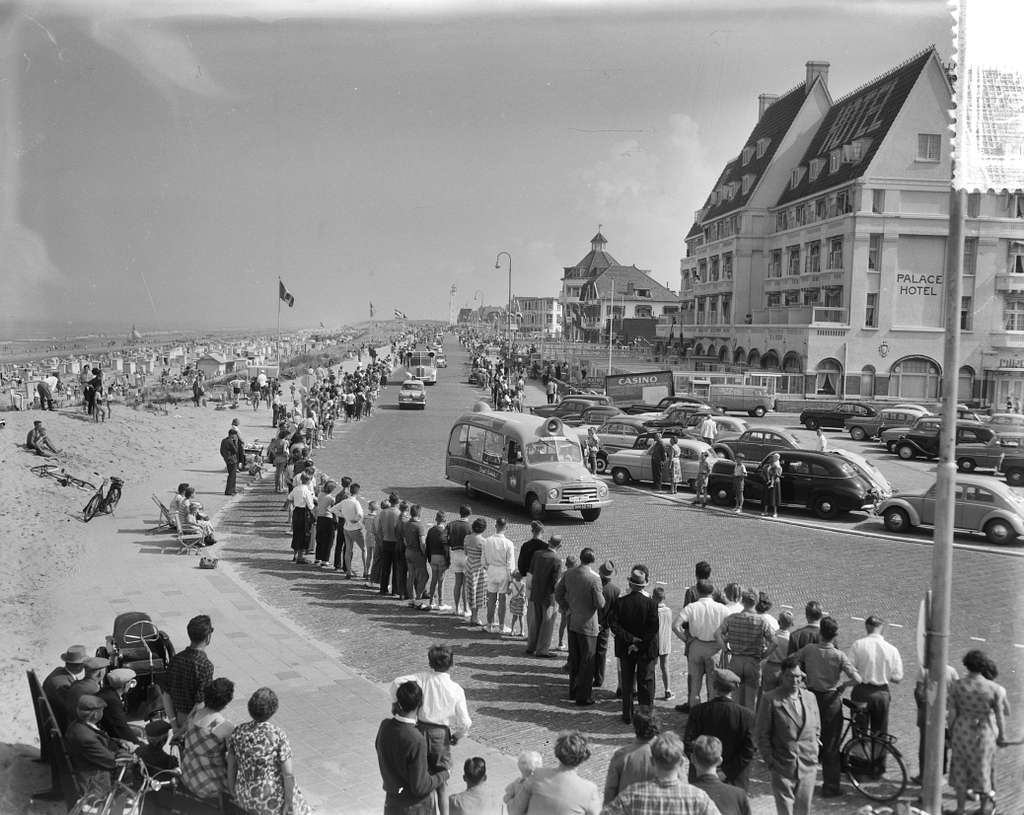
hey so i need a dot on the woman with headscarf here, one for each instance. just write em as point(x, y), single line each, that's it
point(259, 760)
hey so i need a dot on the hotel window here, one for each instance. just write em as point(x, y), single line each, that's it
point(970, 256)
point(875, 252)
point(702, 271)
point(853, 152)
point(816, 166)
point(748, 154)
point(1013, 315)
point(712, 311)
point(792, 297)
point(928, 146)
point(727, 266)
point(878, 201)
point(775, 263)
point(794, 260)
point(812, 297)
point(748, 182)
point(762, 146)
point(643, 292)
point(871, 310)
point(835, 253)
point(1015, 206)
point(780, 220)
point(800, 215)
point(835, 159)
point(726, 308)
point(966, 313)
point(700, 310)
point(797, 176)
point(774, 299)
point(1016, 264)
point(843, 202)
point(820, 209)
point(973, 204)
point(813, 263)
point(714, 269)
point(834, 297)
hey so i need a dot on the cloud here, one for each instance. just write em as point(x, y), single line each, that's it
point(31, 280)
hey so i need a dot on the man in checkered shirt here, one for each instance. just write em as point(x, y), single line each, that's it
point(190, 670)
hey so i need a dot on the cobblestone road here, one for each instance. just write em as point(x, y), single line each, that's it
point(520, 703)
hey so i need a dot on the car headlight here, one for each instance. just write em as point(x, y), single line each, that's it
point(602, 489)
point(553, 493)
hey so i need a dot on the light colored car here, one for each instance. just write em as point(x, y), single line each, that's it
point(867, 427)
point(635, 464)
point(440, 360)
point(982, 505)
point(413, 394)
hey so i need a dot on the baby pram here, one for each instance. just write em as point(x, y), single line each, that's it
point(138, 644)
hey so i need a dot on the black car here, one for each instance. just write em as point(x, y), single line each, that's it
point(834, 415)
point(571, 407)
point(825, 484)
point(662, 405)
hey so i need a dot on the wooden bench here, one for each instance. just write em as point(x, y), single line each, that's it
point(63, 782)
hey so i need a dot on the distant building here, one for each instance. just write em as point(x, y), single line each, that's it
point(213, 365)
point(538, 315)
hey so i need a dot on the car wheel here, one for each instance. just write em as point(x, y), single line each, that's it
point(534, 508)
point(601, 464)
point(891, 447)
point(1015, 478)
point(858, 434)
point(825, 507)
point(759, 411)
point(896, 520)
point(906, 452)
point(620, 476)
point(966, 465)
point(810, 423)
point(999, 531)
point(590, 514)
point(722, 496)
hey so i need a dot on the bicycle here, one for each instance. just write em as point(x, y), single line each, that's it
point(61, 476)
point(101, 503)
point(871, 761)
point(122, 798)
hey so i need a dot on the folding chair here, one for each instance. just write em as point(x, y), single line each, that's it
point(189, 536)
point(166, 522)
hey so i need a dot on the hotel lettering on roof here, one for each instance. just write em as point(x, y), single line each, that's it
point(820, 252)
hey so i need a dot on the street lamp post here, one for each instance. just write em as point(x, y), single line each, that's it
point(497, 265)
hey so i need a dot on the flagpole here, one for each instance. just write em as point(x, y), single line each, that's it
point(279, 284)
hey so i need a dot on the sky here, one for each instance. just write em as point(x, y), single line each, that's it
point(163, 163)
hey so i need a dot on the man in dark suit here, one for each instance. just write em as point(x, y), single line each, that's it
point(92, 752)
point(579, 595)
point(705, 758)
point(634, 621)
point(730, 723)
point(545, 568)
point(809, 633)
point(530, 548)
point(787, 729)
point(611, 593)
point(402, 757)
point(57, 682)
point(232, 452)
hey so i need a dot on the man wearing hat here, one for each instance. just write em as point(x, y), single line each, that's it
point(90, 683)
point(232, 451)
point(115, 719)
point(729, 722)
point(634, 621)
point(92, 752)
point(545, 570)
point(56, 684)
point(611, 593)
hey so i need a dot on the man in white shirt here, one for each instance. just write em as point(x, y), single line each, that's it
point(708, 429)
point(351, 512)
point(879, 665)
point(697, 624)
point(498, 562)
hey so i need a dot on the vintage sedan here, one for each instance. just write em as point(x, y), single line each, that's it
point(571, 407)
point(757, 442)
point(879, 483)
point(823, 482)
point(412, 395)
point(1010, 427)
point(595, 415)
point(982, 505)
point(868, 427)
point(977, 446)
point(635, 464)
point(834, 415)
point(678, 414)
point(729, 427)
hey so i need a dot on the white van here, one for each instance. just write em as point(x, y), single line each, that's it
point(530, 460)
point(751, 399)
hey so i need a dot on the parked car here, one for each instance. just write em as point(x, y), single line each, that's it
point(891, 436)
point(678, 415)
point(982, 505)
point(440, 360)
point(754, 400)
point(823, 482)
point(868, 427)
point(571, 407)
point(635, 464)
point(879, 483)
point(617, 433)
point(757, 442)
point(976, 445)
point(594, 415)
point(834, 415)
point(1010, 427)
point(412, 395)
point(1012, 467)
point(663, 405)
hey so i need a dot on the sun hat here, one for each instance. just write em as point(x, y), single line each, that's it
point(75, 655)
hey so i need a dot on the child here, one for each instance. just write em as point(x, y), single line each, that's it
point(739, 475)
point(370, 536)
point(517, 602)
point(703, 472)
point(529, 762)
point(664, 637)
point(571, 562)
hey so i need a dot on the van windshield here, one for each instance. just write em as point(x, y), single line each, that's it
point(553, 450)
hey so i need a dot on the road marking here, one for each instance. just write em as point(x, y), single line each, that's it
point(977, 639)
point(858, 619)
point(895, 625)
point(1018, 645)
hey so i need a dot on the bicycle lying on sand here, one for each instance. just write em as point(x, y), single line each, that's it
point(61, 476)
point(103, 504)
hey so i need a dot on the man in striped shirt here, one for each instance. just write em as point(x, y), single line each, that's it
point(745, 637)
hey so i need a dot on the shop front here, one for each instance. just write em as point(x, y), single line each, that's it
point(1004, 379)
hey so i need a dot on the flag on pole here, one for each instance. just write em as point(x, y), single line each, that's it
point(285, 295)
point(399, 314)
point(322, 324)
point(371, 309)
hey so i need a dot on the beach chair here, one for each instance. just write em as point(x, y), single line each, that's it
point(166, 522)
point(189, 536)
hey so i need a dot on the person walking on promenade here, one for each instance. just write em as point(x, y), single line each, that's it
point(730, 723)
point(456, 532)
point(545, 571)
point(879, 665)
point(746, 637)
point(387, 525)
point(232, 452)
point(277, 452)
point(696, 625)
point(825, 666)
point(498, 562)
point(708, 429)
point(787, 728)
point(579, 595)
point(611, 592)
point(634, 621)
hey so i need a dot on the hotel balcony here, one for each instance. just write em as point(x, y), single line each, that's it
point(1010, 283)
point(1006, 339)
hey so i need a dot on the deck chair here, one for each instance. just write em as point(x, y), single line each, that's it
point(166, 522)
point(189, 536)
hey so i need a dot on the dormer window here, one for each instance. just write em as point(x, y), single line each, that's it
point(835, 159)
point(797, 176)
point(762, 146)
point(854, 152)
point(734, 187)
point(748, 154)
point(748, 182)
point(816, 166)
point(643, 292)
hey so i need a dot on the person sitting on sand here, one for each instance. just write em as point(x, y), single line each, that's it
point(39, 442)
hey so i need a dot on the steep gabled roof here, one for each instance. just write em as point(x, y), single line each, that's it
point(594, 261)
point(773, 125)
point(601, 285)
point(865, 114)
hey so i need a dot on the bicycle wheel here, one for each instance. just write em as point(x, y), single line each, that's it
point(874, 767)
point(113, 496)
point(92, 508)
point(81, 484)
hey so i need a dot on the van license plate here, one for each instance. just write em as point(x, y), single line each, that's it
point(583, 505)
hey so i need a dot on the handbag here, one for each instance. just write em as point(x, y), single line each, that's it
point(206, 562)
